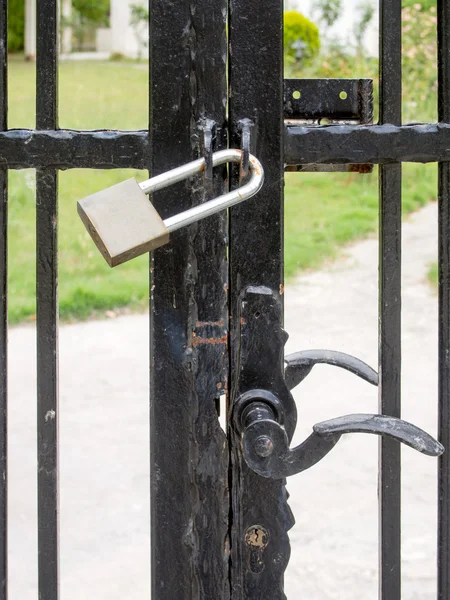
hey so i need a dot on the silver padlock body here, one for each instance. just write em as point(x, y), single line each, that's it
point(122, 222)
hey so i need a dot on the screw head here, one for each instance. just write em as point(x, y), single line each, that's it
point(264, 446)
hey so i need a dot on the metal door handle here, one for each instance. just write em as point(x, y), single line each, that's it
point(264, 411)
point(259, 416)
point(299, 365)
point(266, 446)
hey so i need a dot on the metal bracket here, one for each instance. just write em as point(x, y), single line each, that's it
point(316, 102)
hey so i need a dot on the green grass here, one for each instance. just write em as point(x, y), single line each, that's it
point(323, 211)
point(433, 275)
point(92, 95)
point(87, 285)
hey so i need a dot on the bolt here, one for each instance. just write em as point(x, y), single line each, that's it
point(263, 446)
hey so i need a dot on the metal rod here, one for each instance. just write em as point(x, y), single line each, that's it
point(47, 308)
point(376, 144)
point(389, 488)
point(334, 144)
point(443, 7)
point(3, 311)
point(206, 209)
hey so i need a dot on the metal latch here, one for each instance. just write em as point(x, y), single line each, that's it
point(124, 224)
point(264, 415)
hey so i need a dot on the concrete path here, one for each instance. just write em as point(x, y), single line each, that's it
point(104, 441)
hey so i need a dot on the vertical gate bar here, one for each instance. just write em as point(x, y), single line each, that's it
point(256, 258)
point(390, 306)
point(443, 7)
point(3, 309)
point(47, 307)
point(188, 341)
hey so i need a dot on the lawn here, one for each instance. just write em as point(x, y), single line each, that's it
point(323, 211)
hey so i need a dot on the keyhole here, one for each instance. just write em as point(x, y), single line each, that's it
point(257, 539)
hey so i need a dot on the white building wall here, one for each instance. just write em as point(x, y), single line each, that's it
point(65, 8)
point(123, 38)
point(30, 29)
point(66, 33)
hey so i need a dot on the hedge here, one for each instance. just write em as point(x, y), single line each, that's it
point(16, 25)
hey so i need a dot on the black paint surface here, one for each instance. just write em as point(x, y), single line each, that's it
point(47, 307)
point(3, 312)
point(443, 7)
point(256, 259)
point(188, 449)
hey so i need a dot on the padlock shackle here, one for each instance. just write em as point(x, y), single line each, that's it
point(211, 207)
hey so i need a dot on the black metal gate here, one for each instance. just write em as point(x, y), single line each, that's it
point(220, 517)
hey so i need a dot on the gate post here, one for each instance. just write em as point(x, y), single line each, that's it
point(188, 346)
point(256, 259)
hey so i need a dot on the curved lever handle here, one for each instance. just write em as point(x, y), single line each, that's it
point(398, 429)
point(266, 446)
point(299, 365)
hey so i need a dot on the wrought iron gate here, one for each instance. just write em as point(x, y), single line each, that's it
point(220, 517)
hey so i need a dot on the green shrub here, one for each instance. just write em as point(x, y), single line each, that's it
point(94, 11)
point(298, 28)
point(16, 25)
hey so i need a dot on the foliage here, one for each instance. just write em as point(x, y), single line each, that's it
point(139, 14)
point(365, 12)
point(328, 11)
point(419, 62)
point(425, 4)
point(347, 59)
point(139, 19)
point(339, 58)
point(86, 14)
point(93, 11)
point(16, 25)
point(301, 38)
point(117, 57)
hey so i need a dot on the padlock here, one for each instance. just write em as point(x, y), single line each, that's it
point(124, 224)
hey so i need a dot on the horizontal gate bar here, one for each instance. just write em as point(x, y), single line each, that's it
point(377, 144)
point(334, 144)
point(67, 149)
